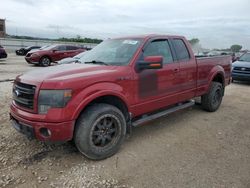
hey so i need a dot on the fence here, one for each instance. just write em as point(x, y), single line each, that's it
point(12, 44)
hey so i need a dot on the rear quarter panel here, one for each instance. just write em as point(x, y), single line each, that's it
point(208, 68)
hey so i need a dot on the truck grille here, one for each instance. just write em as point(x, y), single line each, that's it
point(23, 95)
point(242, 70)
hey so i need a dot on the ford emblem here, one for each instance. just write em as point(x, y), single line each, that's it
point(243, 68)
point(17, 93)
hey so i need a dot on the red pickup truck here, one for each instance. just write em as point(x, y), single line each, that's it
point(121, 83)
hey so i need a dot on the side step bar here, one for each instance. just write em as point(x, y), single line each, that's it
point(168, 111)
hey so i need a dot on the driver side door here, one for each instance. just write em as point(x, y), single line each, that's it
point(158, 88)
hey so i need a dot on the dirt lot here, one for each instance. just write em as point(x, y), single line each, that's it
point(191, 148)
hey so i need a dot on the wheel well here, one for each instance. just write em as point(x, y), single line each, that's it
point(47, 57)
point(219, 78)
point(112, 100)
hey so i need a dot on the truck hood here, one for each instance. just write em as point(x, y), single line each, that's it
point(65, 72)
point(241, 64)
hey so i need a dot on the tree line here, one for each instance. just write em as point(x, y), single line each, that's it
point(62, 39)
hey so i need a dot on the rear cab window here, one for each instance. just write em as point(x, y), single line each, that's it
point(181, 50)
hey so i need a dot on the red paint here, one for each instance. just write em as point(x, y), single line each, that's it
point(175, 82)
point(54, 55)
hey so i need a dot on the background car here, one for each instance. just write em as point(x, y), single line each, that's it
point(24, 51)
point(241, 68)
point(36, 49)
point(52, 53)
point(72, 59)
point(3, 53)
point(213, 53)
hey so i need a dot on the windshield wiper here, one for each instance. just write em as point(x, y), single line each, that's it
point(96, 62)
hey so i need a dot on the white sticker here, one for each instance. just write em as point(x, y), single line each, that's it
point(133, 42)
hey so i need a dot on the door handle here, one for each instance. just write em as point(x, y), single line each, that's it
point(175, 70)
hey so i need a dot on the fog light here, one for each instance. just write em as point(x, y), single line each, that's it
point(45, 132)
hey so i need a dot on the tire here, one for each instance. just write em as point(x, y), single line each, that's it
point(212, 100)
point(100, 131)
point(45, 61)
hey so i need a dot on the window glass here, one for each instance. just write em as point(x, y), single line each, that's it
point(245, 57)
point(113, 51)
point(71, 48)
point(159, 48)
point(61, 48)
point(181, 49)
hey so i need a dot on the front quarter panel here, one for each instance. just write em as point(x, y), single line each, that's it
point(83, 98)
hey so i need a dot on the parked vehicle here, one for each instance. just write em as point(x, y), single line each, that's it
point(213, 53)
point(24, 51)
point(72, 59)
point(3, 53)
point(52, 53)
point(121, 83)
point(241, 68)
point(37, 49)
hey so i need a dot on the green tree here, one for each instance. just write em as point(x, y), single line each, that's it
point(236, 47)
point(194, 41)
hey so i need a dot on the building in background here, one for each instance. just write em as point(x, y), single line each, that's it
point(2, 28)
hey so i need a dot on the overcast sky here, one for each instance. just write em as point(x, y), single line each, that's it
point(217, 23)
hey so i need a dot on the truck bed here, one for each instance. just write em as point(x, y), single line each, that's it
point(205, 66)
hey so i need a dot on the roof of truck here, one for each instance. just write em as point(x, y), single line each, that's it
point(148, 36)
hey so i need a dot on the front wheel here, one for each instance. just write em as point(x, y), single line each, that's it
point(212, 100)
point(45, 61)
point(100, 131)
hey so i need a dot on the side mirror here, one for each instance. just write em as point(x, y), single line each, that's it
point(54, 50)
point(151, 62)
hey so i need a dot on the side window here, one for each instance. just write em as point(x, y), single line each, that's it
point(71, 48)
point(181, 49)
point(61, 48)
point(159, 48)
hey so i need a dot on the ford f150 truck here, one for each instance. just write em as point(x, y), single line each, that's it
point(123, 82)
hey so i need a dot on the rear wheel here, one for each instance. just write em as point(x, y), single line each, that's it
point(212, 100)
point(100, 131)
point(45, 61)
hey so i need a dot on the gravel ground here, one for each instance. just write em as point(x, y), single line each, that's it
point(191, 148)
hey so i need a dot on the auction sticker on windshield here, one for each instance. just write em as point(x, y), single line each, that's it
point(133, 42)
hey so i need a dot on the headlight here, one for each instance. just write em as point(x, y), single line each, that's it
point(53, 99)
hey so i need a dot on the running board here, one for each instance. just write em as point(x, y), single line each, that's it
point(178, 107)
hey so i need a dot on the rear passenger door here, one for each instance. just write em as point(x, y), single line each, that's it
point(188, 69)
point(72, 51)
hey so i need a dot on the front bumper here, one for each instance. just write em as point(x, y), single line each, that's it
point(18, 52)
point(58, 131)
point(32, 60)
point(23, 128)
point(3, 55)
point(240, 76)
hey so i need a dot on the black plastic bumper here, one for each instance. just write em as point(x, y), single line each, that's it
point(24, 129)
point(3, 55)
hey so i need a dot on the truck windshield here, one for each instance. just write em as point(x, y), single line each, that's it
point(245, 57)
point(112, 52)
